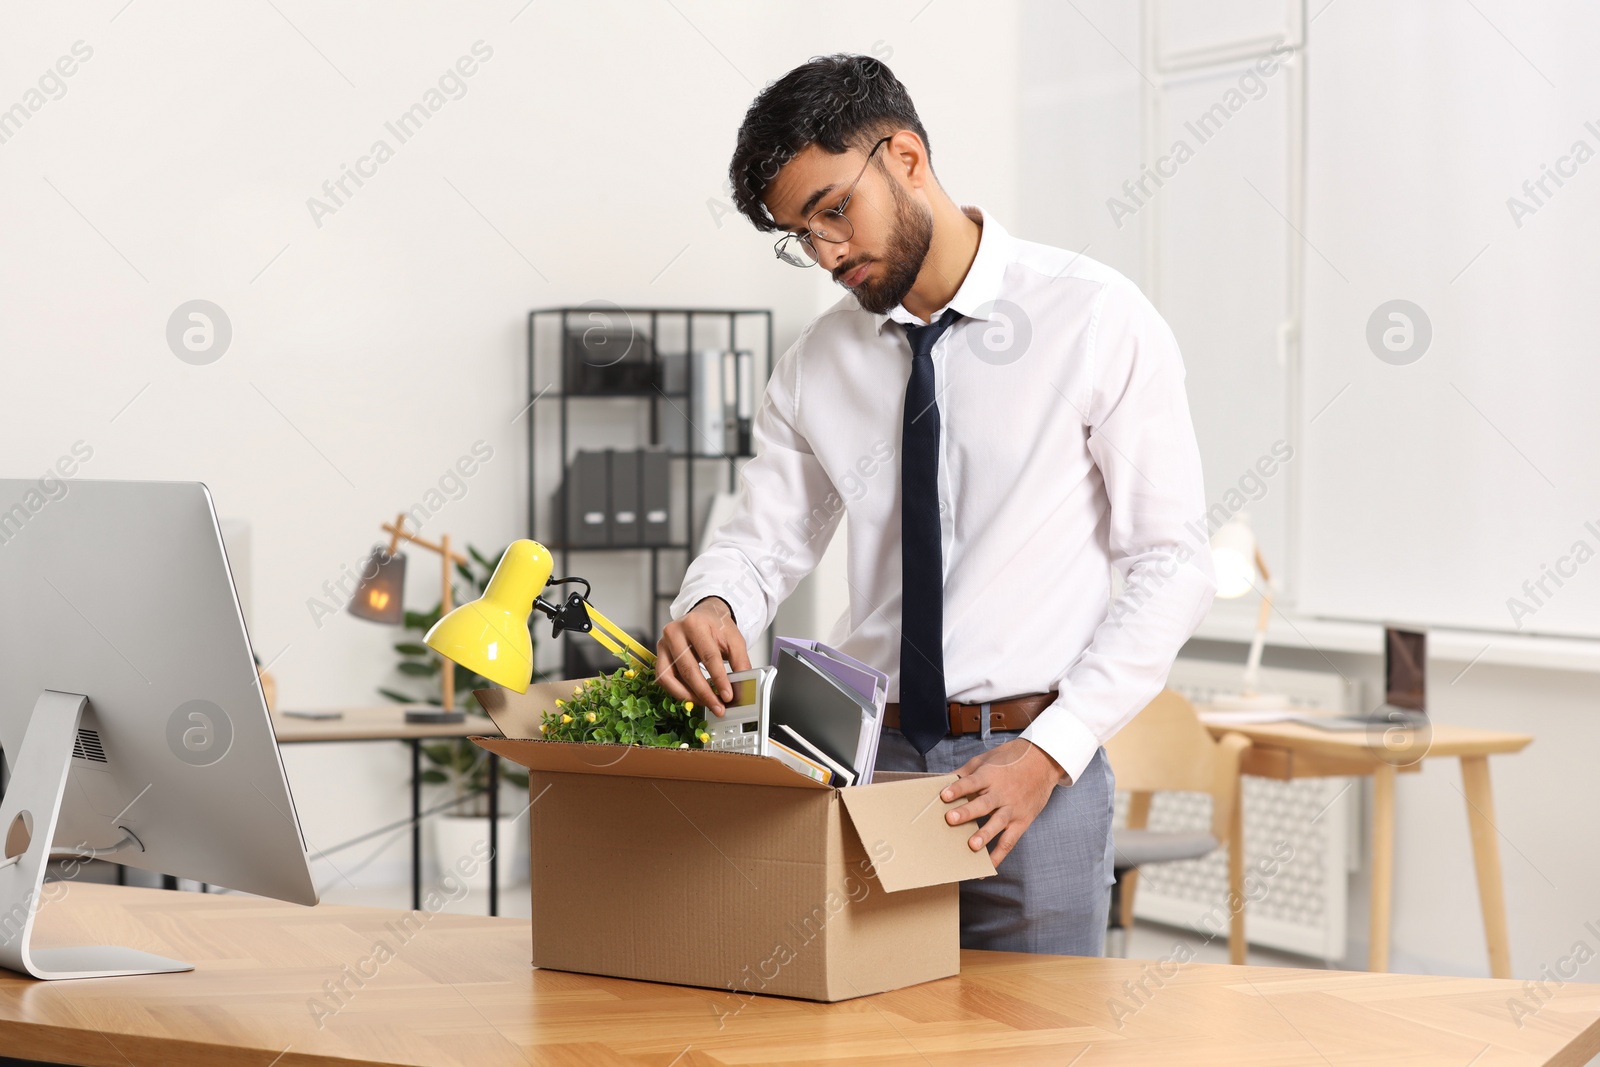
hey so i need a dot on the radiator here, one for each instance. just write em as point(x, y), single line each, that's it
point(1303, 908)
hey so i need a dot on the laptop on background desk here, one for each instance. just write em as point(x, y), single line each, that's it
point(1405, 674)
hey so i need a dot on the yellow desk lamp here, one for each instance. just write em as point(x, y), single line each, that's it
point(490, 635)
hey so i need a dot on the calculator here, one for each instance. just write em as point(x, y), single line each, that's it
point(744, 726)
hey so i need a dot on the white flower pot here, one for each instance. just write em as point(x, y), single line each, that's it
point(458, 846)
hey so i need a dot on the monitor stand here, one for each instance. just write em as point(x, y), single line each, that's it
point(28, 816)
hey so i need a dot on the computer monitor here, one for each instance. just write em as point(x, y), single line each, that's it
point(131, 714)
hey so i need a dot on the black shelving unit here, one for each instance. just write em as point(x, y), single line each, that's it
point(670, 332)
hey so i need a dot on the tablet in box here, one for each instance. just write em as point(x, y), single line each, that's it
point(732, 871)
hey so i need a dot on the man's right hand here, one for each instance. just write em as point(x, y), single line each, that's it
point(706, 634)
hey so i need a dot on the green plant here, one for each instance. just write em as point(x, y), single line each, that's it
point(456, 762)
point(626, 707)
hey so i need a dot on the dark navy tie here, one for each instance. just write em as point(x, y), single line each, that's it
point(924, 714)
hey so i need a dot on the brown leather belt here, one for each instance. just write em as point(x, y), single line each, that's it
point(1013, 714)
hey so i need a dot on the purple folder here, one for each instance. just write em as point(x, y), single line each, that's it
point(867, 683)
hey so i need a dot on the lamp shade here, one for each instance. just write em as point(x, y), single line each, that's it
point(490, 635)
point(380, 596)
point(1233, 557)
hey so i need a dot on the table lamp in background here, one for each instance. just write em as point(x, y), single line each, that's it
point(1237, 559)
point(380, 596)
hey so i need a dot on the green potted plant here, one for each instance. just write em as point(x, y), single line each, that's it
point(456, 763)
point(626, 707)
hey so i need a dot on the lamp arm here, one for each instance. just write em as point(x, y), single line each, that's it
point(1252, 667)
point(618, 640)
point(590, 620)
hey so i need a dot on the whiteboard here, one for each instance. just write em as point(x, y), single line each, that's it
point(1451, 484)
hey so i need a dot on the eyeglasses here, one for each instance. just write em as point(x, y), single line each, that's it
point(828, 224)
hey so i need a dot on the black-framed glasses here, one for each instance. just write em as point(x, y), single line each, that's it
point(826, 224)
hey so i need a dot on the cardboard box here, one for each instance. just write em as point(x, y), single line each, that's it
point(731, 871)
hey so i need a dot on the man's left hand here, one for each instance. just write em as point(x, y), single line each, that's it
point(1010, 784)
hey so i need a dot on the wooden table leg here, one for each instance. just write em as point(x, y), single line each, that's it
point(1486, 857)
point(1138, 819)
point(1382, 895)
point(1237, 946)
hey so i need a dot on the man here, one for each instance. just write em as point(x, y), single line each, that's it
point(1004, 423)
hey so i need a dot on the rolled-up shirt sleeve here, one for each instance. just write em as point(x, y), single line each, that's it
point(786, 514)
point(1143, 442)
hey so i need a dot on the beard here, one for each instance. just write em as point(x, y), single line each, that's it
point(909, 240)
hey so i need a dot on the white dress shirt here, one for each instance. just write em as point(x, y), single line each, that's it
point(1066, 449)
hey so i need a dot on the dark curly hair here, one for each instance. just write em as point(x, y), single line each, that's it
point(838, 102)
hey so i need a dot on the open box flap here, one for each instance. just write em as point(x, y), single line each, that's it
point(637, 761)
point(518, 714)
point(902, 827)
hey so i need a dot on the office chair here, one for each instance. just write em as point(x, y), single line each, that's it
point(1167, 748)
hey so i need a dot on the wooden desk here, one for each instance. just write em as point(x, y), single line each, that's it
point(388, 723)
point(461, 992)
point(1285, 751)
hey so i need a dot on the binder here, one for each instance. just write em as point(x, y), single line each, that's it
point(624, 497)
point(706, 415)
point(827, 714)
point(586, 500)
point(869, 685)
point(655, 496)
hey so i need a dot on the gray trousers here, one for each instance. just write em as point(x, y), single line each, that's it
point(1052, 893)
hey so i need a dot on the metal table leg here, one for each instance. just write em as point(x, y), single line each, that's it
point(494, 834)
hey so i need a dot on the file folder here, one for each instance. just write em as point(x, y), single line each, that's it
point(625, 523)
point(847, 731)
point(655, 494)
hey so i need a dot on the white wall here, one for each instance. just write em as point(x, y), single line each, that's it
point(585, 160)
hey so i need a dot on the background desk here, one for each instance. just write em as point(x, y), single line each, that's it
point(461, 992)
point(388, 723)
point(1285, 750)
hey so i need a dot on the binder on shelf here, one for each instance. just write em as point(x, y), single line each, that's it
point(707, 419)
point(586, 496)
point(722, 404)
point(624, 497)
point(655, 496)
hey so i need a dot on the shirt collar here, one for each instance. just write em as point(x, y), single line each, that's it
point(981, 287)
